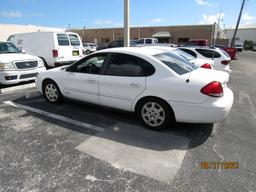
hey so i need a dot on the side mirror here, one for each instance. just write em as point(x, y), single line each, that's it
point(68, 69)
point(23, 51)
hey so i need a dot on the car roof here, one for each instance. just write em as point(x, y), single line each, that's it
point(133, 50)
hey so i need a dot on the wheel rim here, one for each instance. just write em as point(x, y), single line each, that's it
point(153, 114)
point(51, 92)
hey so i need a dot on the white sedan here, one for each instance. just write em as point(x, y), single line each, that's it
point(159, 86)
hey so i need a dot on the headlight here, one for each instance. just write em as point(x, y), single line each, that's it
point(40, 63)
point(7, 66)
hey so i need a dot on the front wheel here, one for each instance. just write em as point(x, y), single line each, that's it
point(52, 92)
point(155, 114)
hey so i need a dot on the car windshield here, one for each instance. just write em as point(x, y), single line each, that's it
point(6, 47)
point(177, 64)
point(183, 54)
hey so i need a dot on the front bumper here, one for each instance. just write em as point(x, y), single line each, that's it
point(18, 76)
point(213, 110)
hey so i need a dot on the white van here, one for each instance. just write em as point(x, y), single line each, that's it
point(55, 48)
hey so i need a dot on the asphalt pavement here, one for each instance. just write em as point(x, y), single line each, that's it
point(82, 147)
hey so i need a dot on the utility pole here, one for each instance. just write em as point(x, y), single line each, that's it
point(126, 23)
point(237, 24)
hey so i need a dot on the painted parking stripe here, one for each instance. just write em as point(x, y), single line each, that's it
point(55, 116)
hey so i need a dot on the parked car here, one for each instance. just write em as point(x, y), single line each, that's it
point(204, 63)
point(230, 50)
point(89, 48)
point(147, 42)
point(197, 42)
point(239, 47)
point(54, 48)
point(120, 43)
point(158, 85)
point(254, 47)
point(221, 59)
point(15, 66)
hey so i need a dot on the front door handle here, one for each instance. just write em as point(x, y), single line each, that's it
point(91, 81)
point(135, 85)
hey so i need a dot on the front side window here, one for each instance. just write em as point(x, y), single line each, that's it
point(178, 65)
point(63, 40)
point(74, 40)
point(141, 41)
point(208, 53)
point(8, 48)
point(90, 65)
point(128, 65)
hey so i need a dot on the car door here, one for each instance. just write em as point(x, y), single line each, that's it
point(81, 79)
point(123, 80)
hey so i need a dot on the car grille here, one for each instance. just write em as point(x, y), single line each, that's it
point(28, 75)
point(26, 64)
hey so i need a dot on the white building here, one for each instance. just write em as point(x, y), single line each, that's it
point(9, 29)
point(245, 32)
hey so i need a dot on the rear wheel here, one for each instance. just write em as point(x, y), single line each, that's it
point(155, 114)
point(52, 92)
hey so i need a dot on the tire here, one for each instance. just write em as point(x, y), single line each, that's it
point(52, 92)
point(155, 114)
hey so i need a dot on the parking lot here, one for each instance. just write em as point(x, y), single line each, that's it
point(82, 147)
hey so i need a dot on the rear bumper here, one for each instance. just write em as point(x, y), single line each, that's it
point(225, 68)
point(213, 110)
point(14, 77)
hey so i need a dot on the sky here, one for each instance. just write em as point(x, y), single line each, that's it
point(109, 13)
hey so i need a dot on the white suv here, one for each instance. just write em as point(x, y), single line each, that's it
point(16, 67)
point(221, 59)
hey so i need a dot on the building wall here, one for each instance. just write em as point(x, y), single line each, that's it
point(8, 29)
point(242, 34)
point(177, 32)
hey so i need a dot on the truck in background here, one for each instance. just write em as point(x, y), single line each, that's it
point(54, 48)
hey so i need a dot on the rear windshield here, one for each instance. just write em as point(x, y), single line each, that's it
point(179, 65)
point(63, 40)
point(225, 53)
point(74, 39)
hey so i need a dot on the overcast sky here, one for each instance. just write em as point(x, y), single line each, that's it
point(109, 13)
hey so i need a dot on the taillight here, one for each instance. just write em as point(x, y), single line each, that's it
point(206, 66)
point(213, 89)
point(55, 53)
point(225, 62)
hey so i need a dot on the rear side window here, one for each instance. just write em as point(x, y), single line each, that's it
point(74, 39)
point(208, 53)
point(141, 41)
point(189, 52)
point(63, 40)
point(128, 65)
point(148, 41)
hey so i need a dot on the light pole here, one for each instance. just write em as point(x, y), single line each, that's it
point(127, 23)
point(237, 24)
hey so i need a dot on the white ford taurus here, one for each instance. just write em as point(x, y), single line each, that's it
point(158, 85)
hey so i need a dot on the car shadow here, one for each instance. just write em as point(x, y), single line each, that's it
point(121, 127)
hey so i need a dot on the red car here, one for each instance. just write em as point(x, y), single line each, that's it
point(230, 50)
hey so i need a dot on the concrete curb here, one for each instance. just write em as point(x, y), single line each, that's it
point(17, 88)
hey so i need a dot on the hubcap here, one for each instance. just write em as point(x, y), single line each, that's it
point(51, 92)
point(153, 114)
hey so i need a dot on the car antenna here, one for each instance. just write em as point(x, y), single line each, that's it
point(188, 79)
